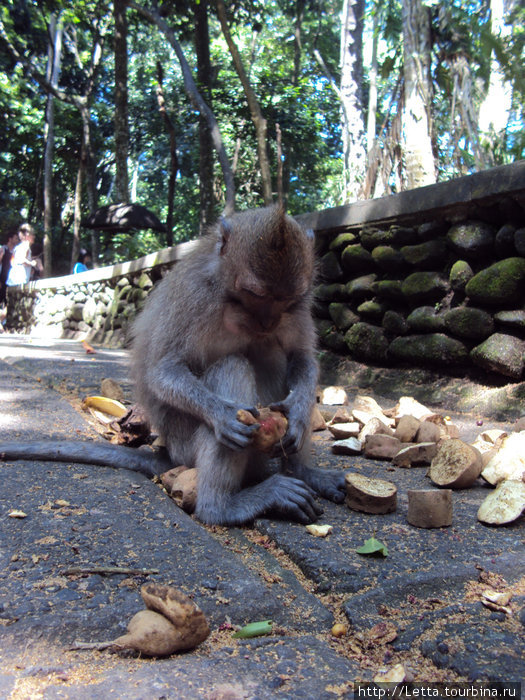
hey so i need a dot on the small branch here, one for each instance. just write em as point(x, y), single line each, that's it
point(99, 646)
point(108, 571)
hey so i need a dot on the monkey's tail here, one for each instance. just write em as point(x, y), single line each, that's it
point(116, 456)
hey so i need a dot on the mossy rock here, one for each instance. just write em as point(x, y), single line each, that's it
point(425, 256)
point(335, 342)
point(469, 323)
point(519, 241)
point(372, 310)
point(342, 315)
point(389, 289)
point(430, 349)
point(504, 242)
point(472, 239)
point(367, 342)
point(460, 274)
point(422, 287)
point(320, 309)
point(329, 267)
point(501, 353)
point(342, 240)
point(425, 319)
point(388, 258)
point(355, 258)
point(394, 236)
point(394, 323)
point(511, 319)
point(144, 281)
point(329, 292)
point(361, 287)
point(324, 326)
point(501, 284)
point(431, 230)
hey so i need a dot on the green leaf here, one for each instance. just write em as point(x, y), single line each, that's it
point(373, 546)
point(254, 629)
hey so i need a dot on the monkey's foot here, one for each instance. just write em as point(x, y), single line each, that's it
point(329, 484)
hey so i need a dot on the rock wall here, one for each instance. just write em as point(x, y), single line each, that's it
point(432, 294)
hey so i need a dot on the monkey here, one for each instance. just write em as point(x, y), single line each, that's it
point(229, 327)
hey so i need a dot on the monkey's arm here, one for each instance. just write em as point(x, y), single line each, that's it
point(174, 384)
point(101, 454)
point(301, 378)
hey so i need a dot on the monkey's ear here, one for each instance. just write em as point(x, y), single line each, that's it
point(224, 233)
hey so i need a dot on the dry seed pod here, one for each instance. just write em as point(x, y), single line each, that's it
point(151, 634)
point(370, 495)
point(273, 427)
point(187, 618)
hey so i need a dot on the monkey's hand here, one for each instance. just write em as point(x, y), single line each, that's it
point(298, 425)
point(290, 497)
point(229, 431)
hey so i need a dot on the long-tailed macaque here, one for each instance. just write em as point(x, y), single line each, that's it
point(228, 328)
point(231, 328)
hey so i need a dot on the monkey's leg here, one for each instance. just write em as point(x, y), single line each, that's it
point(329, 483)
point(221, 497)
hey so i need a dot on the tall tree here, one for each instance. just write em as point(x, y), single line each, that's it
point(257, 116)
point(352, 123)
point(121, 100)
point(202, 49)
point(52, 75)
point(417, 120)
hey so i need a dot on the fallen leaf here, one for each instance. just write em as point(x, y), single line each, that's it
point(373, 546)
point(254, 629)
point(16, 514)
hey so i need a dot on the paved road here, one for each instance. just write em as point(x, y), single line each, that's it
point(425, 596)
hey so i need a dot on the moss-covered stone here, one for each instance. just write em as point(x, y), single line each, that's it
point(367, 342)
point(324, 326)
point(425, 319)
point(340, 242)
point(432, 349)
point(469, 323)
point(144, 281)
point(372, 310)
point(388, 258)
point(519, 241)
point(361, 287)
point(501, 353)
point(389, 290)
point(425, 256)
point(394, 323)
point(329, 292)
point(472, 239)
point(334, 341)
point(504, 243)
point(342, 315)
point(424, 287)
point(511, 319)
point(355, 258)
point(393, 236)
point(329, 268)
point(503, 283)
point(460, 274)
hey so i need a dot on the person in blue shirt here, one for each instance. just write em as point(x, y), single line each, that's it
point(84, 259)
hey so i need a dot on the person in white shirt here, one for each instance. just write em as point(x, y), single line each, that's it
point(21, 262)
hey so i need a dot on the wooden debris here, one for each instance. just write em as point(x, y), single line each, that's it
point(430, 508)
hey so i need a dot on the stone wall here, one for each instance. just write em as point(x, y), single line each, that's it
point(432, 294)
point(98, 305)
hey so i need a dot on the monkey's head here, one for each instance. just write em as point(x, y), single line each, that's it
point(267, 268)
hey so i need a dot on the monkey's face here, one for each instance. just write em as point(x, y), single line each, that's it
point(255, 314)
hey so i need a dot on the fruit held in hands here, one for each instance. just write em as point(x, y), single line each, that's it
point(273, 427)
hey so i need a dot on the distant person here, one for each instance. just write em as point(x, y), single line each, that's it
point(6, 253)
point(84, 259)
point(21, 262)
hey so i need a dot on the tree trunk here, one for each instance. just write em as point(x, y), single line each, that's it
point(352, 126)
point(173, 153)
point(417, 125)
point(202, 46)
point(255, 110)
point(121, 101)
point(495, 108)
point(197, 101)
point(53, 71)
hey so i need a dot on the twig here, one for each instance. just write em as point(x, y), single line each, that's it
point(108, 571)
point(99, 646)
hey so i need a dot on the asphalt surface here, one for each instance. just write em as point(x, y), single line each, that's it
point(419, 606)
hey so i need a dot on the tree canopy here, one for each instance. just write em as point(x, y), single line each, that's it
point(315, 102)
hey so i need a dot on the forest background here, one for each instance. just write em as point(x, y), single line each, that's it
point(192, 108)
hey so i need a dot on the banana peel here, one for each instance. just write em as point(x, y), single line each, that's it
point(105, 405)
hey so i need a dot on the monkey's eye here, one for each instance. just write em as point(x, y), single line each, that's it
point(253, 294)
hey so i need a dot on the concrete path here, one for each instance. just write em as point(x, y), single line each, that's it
point(419, 606)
